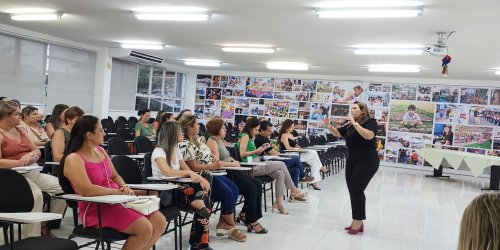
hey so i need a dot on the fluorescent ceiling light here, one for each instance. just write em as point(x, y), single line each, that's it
point(287, 66)
point(36, 16)
point(388, 46)
point(248, 49)
point(172, 16)
point(142, 46)
point(368, 13)
point(396, 68)
point(362, 51)
point(497, 72)
point(367, 4)
point(204, 63)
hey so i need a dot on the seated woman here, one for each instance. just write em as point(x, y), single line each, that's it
point(87, 170)
point(480, 227)
point(167, 160)
point(17, 150)
point(156, 123)
point(29, 122)
point(199, 158)
point(274, 169)
point(56, 120)
point(143, 128)
point(310, 157)
point(249, 187)
point(61, 137)
point(164, 118)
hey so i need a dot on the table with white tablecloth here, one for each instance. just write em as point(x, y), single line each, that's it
point(475, 162)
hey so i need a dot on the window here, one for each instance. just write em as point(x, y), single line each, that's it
point(159, 89)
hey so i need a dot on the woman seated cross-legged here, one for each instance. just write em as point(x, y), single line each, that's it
point(87, 170)
point(167, 160)
point(249, 187)
point(199, 158)
point(274, 169)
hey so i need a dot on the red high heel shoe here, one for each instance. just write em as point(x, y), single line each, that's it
point(355, 231)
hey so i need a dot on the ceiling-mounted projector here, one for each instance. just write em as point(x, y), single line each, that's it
point(440, 48)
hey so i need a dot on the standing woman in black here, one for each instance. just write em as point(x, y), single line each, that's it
point(362, 162)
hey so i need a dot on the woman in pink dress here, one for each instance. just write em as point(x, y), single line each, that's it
point(87, 170)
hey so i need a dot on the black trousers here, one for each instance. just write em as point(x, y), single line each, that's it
point(361, 166)
point(251, 189)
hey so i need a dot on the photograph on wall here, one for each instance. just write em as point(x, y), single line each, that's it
point(443, 134)
point(284, 95)
point(236, 82)
point(473, 137)
point(424, 93)
point(260, 88)
point(198, 111)
point(227, 106)
point(309, 85)
point(477, 151)
point(381, 147)
point(297, 85)
point(379, 87)
point(238, 92)
point(404, 91)
point(378, 99)
point(316, 131)
point(213, 94)
point(242, 102)
point(448, 113)
point(496, 140)
point(320, 97)
point(340, 110)
point(300, 124)
point(325, 86)
point(447, 94)
point(212, 109)
point(314, 124)
point(294, 107)
point(391, 155)
point(203, 81)
point(382, 115)
point(199, 99)
point(293, 115)
point(305, 106)
point(276, 108)
point(398, 140)
point(410, 116)
point(257, 110)
point(302, 96)
point(319, 111)
point(488, 116)
point(240, 121)
point(420, 140)
point(303, 115)
point(347, 92)
point(495, 97)
point(254, 101)
point(474, 96)
point(409, 156)
point(227, 92)
point(201, 91)
point(283, 84)
point(494, 153)
point(216, 81)
point(381, 129)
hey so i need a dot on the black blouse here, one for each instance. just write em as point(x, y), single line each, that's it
point(291, 142)
point(355, 141)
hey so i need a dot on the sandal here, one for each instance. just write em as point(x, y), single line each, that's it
point(241, 218)
point(237, 235)
point(280, 210)
point(224, 231)
point(251, 228)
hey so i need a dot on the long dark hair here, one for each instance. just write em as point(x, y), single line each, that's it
point(86, 123)
point(168, 140)
point(251, 123)
point(56, 112)
point(284, 126)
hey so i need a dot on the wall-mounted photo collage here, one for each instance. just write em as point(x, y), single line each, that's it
point(410, 116)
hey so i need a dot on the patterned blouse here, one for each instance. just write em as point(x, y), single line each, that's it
point(201, 154)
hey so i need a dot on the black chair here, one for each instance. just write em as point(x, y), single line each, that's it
point(16, 197)
point(121, 124)
point(121, 118)
point(151, 120)
point(117, 146)
point(110, 128)
point(143, 145)
point(125, 134)
point(132, 121)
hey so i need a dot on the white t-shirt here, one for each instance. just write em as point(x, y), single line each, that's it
point(159, 152)
point(408, 118)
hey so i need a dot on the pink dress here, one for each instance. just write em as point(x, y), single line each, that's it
point(113, 216)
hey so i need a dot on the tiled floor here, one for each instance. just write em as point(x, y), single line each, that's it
point(405, 210)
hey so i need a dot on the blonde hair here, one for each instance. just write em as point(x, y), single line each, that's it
point(188, 121)
point(480, 226)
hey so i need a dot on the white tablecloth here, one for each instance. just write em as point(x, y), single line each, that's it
point(475, 162)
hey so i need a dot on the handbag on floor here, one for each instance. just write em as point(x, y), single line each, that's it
point(144, 204)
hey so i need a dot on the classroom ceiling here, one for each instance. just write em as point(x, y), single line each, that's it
point(290, 26)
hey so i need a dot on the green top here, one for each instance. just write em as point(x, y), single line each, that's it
point(67, 135)
point(250, 146)
point(145, 131)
